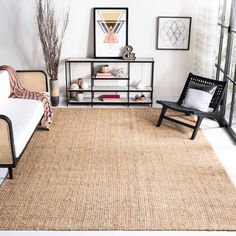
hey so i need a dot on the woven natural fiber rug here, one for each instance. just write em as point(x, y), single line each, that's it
point(112, 169)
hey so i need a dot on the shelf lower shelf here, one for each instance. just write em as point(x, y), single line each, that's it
point(85, 101)
point(146, 101)
point(121, 101)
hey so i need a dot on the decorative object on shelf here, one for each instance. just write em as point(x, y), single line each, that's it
point(104, 72)
point(80, 81)
point(120, 73)
point(80, 97)
point(84, 85)
point(105, 69)
point(110, 32)
point(140, 85)
point(104, 75)
point(173, 33)
point(139, 98)
point(74, 86)
point(110, 98)
point(51, 41)
point(128, 53)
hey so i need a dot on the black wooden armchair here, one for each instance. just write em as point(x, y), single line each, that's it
point(177, 106)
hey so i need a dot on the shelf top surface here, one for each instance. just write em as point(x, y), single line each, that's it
point(85, 59)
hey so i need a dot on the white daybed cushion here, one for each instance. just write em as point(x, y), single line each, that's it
point(25, 115)
point(5, 89)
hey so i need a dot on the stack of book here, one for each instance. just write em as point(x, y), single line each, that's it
point(104, 75)
point(110, 98)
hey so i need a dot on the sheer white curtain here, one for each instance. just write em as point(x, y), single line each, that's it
point(207, 36)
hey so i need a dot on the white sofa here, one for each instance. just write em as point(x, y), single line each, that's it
point(18, 117)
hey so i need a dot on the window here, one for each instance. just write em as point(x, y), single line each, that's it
point(226, 62)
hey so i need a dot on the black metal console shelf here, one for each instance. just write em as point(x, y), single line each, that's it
point(93, 89)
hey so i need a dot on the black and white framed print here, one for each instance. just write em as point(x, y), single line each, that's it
point(110, 32)
point(173, 33)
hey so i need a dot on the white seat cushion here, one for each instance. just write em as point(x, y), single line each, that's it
point(5, 88)
point(25, 115)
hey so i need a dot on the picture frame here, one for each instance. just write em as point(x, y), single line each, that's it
point(110, 32)
point(173, 32)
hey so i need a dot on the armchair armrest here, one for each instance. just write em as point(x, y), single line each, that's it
point(6, 142)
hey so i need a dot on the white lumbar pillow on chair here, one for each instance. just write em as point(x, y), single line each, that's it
point(199, 97)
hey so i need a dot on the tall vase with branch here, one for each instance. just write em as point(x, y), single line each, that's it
point(51, 39)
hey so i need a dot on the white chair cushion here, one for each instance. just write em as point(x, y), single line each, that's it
point(25, 115)
point(199, 96)
point(5, 88)
point(197, 99)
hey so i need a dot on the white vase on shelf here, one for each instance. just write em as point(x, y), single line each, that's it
point(140, 85)
point(84, 85)
point(74, 86)
point(80, 97)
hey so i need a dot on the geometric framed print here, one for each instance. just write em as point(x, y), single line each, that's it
point(110, 32)
point(173, 33)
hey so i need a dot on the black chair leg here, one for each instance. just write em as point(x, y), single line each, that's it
point(10, 172)
point(163, 111)
point(198, 123)
point(220, 123)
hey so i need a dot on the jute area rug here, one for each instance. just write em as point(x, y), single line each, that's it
point(112, 169)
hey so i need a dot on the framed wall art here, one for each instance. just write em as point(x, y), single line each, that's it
point(173, 33)
point(110, 32)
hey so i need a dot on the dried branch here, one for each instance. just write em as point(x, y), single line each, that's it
point(50, 37)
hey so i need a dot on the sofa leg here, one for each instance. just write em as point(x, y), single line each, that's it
point(10, 173)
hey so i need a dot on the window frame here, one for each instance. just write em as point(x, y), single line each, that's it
point(231, 34)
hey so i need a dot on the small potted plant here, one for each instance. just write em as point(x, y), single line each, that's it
point(51, 40)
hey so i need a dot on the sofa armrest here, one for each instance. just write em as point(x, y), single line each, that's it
point(6, 141)
point(34, 80)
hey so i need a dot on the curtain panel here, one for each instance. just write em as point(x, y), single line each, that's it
point(206, 38)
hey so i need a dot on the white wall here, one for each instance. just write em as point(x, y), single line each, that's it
point(19, 45)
